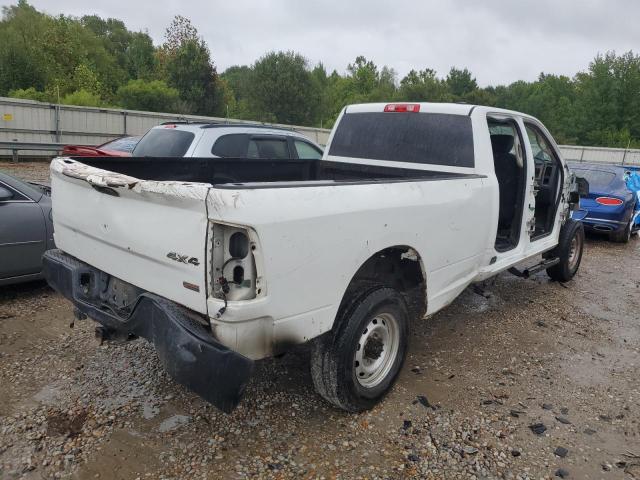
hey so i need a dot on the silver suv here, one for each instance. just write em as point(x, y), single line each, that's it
point(225, 140)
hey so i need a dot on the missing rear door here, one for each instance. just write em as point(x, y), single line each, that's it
point(510, 168)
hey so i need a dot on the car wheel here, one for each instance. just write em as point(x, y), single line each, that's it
point(623, 236)
point(356, 364)
point(569, 250)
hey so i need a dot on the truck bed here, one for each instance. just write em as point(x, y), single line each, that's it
point(240, 173)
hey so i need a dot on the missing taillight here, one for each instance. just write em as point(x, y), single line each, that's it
point(233, 267)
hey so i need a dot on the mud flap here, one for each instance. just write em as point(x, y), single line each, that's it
point(186, 349)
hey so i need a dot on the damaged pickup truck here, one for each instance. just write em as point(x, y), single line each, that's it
point(221, 262)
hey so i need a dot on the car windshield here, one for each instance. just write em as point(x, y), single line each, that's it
point(124, 144)
point(597, 179)
point(164, 142)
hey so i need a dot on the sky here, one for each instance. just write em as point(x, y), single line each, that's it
point(500, 41)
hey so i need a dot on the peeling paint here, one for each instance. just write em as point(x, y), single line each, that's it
point(192, 190)
point(105, 178)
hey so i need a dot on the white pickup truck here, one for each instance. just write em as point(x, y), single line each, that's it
point(409, 205)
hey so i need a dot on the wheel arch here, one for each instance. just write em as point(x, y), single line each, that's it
point(398, 266)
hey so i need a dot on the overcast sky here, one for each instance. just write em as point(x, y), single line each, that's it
point(500, 41)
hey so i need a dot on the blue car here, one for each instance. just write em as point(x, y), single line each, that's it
point(611, 204)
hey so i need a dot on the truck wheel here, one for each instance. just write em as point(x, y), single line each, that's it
point(623, 236)
point(569, 250)
point(355, 365)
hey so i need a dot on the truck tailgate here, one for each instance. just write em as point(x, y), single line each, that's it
point(150, 234)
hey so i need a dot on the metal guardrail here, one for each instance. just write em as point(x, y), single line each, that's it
point(31, 121)
point(16, 147)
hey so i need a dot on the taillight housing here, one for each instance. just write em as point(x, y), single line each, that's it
point(235, 269)
point(402, 107)
point(609, 201)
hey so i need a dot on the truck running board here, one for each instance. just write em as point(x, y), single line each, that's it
point(543, 265)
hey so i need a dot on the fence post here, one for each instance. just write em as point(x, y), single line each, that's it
point(57, 120)
point(124, 117)
point(582, 155)
point(14, 155)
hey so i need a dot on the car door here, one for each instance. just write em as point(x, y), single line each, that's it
point(22, 236)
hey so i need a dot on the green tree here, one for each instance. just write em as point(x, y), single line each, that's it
point(608, 101)
point(283, 90)
point(21, 38)
point(141, 60)
point(460, 82)
point(191, 72)
point(189, 68)
point(239, 83)
point(423, 86)
point(154, 96)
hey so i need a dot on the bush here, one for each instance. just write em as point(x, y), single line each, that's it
point(82, 98)
point(30, 94)
point(154, 96)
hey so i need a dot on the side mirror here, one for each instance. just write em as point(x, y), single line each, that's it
point(583, 186)
point(5, 194)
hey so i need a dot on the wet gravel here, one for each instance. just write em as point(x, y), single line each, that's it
point(524, 379)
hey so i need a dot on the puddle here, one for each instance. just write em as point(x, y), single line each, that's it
point(49, 395)
point(174, 422)
point(149, 410)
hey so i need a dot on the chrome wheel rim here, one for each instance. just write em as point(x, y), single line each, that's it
point(377, 350)
point(574, 251)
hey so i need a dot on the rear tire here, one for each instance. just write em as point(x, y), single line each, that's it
point(356, 364)
point(623, 236)
point(569, 250)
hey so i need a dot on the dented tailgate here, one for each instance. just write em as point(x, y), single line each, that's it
point(150, 234)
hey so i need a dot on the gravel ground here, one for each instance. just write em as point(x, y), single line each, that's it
point(30, 171)
point(527, 379)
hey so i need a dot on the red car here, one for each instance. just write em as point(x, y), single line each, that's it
point(120, 147)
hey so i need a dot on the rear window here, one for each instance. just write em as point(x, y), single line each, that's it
point(307, 151)
point(597, 178)
point(164, 142)
point(428, 138)
point(125, 144)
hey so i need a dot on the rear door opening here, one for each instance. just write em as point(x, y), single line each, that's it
point(510, 167)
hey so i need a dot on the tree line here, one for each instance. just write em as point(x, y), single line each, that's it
point(99, 62)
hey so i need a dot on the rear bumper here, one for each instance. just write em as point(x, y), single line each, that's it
point(185, 347)
point(603, 224)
